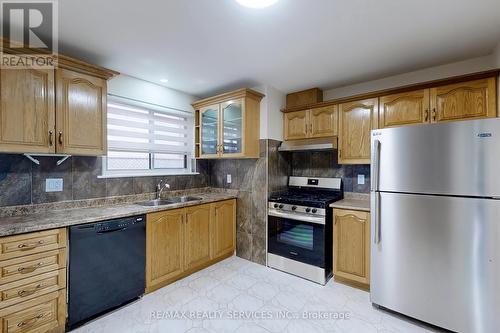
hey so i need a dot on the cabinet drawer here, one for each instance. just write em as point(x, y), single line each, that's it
point(35, 242)
point(42, 314)
point(26, 289)
point(24, 267)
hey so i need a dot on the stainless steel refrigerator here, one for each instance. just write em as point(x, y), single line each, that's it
point(435, 248)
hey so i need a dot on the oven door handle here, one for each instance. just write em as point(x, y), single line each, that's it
point(297, 217)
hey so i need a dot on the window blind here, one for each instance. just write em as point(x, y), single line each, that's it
point(146, 130)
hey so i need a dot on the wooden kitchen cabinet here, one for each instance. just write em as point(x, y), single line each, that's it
point(356, 120)
point(80, 113)
point(466, 100)
point(27, 111)
point(315, 123)
point(408, 108)
point(164, 247)
point(49, 111)
point(228, 125)
point(351, 253)
point(224, 229)
point(182, 241)
point(33, 282)
point(296, 125)
point(197, 236)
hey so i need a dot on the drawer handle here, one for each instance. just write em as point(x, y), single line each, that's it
point(30, 269)
point(30, 322)
point(29, 246)
point(24, 293)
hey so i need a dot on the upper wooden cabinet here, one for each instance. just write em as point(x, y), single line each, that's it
point(314, 123)
point(59, 110)
point(227, 125)
point(409, 108)
point(81, 113)
point(356, 120)
point(27, 110)
point(351, 254)
point(466, 100)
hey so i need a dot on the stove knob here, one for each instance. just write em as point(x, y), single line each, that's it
point(294, 207)
point(281, 206)
point(275, 205)
point(308, 210)
point(314, 210)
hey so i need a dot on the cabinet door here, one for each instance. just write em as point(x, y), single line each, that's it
point(27, 113)
point(164, 247)
point(224, 234)
point(463, 101)
point(296, 125)
point(323, 121)
point(209, 131)
point(409, 108)
point(357, 119)
point(232, 130)
point(351, 255)
point(81, 114)
point(197, 238)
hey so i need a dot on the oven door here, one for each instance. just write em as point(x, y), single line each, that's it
point(295, 236)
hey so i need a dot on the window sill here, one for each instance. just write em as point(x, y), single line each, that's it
point(152, 174)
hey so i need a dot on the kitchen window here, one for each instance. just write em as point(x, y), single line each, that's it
point(146, 139)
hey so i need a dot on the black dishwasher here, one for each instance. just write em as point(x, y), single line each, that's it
point(106, 267)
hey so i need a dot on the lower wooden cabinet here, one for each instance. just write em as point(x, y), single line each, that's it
point(197, 236)
point(224, 228)
point(351, 253)
point(182, 241)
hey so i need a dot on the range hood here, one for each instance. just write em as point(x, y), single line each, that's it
point(309, 144)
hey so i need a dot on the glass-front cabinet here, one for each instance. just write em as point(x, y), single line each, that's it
point(209, 138)
point(232, 130)
point(227, 126)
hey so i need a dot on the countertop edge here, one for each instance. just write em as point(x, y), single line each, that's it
point(352, 204)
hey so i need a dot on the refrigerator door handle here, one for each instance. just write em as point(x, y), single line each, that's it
point(375, 164)
point(376, 239)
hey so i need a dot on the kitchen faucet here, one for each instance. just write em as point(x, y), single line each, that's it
point(160, 188)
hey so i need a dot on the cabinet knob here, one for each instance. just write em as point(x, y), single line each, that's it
point(60, 138)
point(434, 114)
point(426, 115)
point(51, 142)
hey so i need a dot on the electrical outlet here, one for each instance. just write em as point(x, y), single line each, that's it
point(228, 179)
point(361, 179)
point(53, 185)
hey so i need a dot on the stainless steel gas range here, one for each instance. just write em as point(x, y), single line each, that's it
point(300, 227)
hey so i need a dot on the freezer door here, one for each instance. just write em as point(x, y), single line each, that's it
point(460, 158)
point(437, 259)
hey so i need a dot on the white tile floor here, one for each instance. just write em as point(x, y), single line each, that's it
point(263, 299)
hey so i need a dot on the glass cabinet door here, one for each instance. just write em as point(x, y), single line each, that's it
point(232, 131)
point(209, 130)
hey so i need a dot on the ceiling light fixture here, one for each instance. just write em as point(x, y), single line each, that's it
point(163, 80)
point(257, 3)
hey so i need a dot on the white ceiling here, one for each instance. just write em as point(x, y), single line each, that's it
point(208, 46)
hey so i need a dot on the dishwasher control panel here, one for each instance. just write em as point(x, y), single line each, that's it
point(119, 224)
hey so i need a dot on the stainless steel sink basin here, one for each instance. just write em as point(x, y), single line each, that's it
point(169, 201)
point(156, 202)
point(185, 199)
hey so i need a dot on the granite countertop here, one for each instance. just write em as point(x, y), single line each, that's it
point(51, 219)
point(353, 201)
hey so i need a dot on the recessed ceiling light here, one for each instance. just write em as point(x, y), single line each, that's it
point(257, 3)
point(163, 80)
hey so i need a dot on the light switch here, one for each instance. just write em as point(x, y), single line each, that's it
point(361, 179)
point(228, 178)
point(53, 185)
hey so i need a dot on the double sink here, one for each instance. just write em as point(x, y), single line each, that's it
point(169, 201)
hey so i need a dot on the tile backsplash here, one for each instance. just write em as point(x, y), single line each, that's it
point(23, 182)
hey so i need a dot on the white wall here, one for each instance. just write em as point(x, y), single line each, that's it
point(428, 74)
point(271, 118)
point(497, 56)
point(131, 87)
